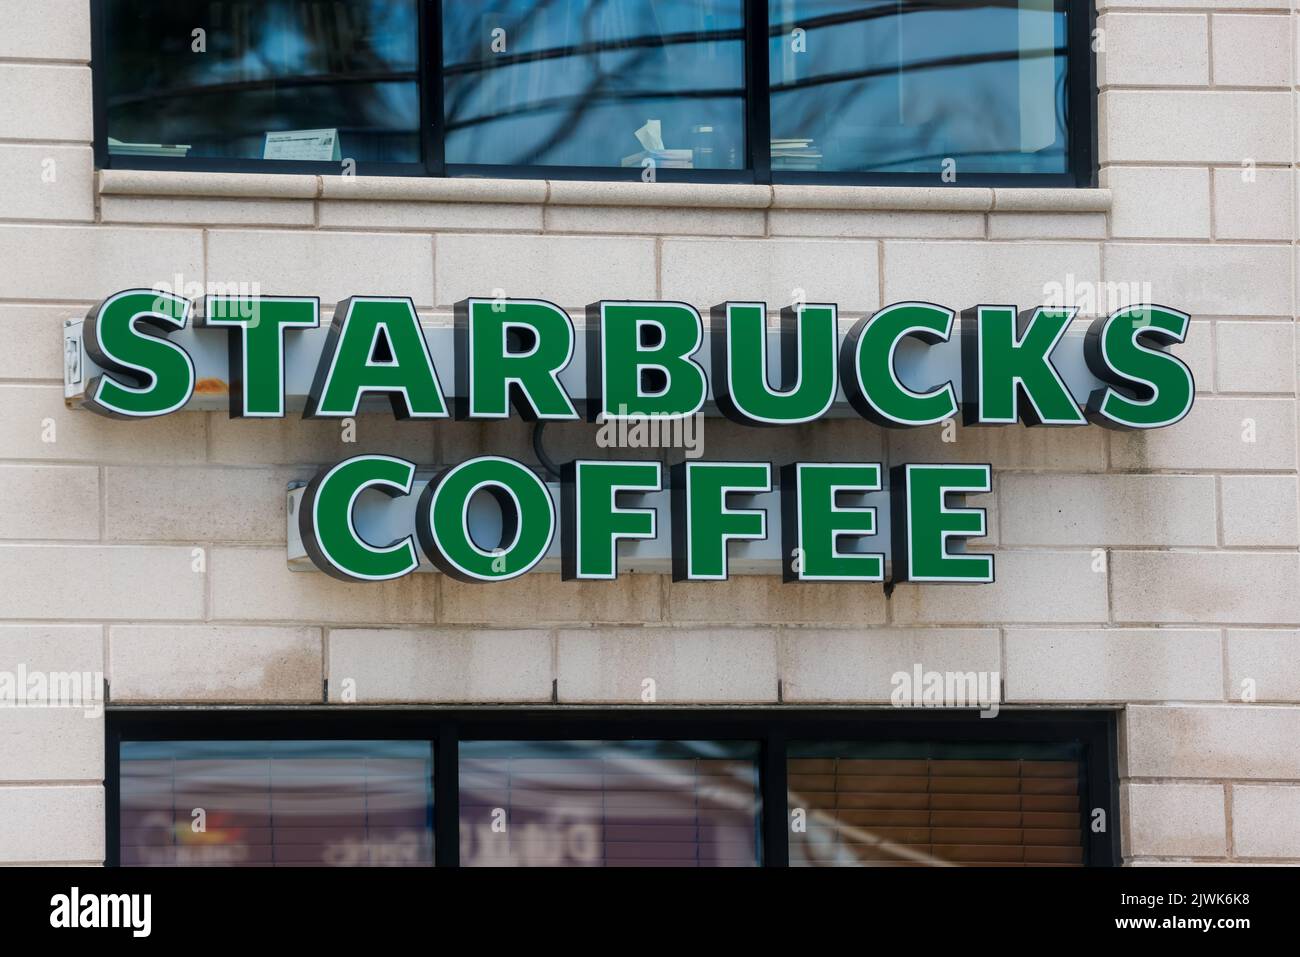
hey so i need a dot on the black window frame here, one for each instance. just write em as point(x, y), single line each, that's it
point(1081, 121)
point(1094, 730)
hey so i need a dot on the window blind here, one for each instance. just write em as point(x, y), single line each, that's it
point(935, 811)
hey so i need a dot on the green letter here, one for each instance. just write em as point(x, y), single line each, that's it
point(594, 523)
point(639, 337)
point(527, 520)
point(1013, 355)
point(1145, 388)
point(535, 371)
point(325, 520)
point(815, 522)
point(159, 373)
point(376, 345)
point(257, 326)
point(923, 523)
point(867, 366)
point(702, 522)
point(809, 340)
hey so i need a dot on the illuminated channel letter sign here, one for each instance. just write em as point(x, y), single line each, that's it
point(142, 353)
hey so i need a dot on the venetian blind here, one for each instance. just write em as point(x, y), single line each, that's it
point(885, 811)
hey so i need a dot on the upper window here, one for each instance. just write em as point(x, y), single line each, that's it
point(263, 80)
point(962, 92)
point(914, 87)
point(607, 84)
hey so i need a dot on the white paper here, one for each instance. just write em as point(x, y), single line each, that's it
point(302, 145)
point(651, 136)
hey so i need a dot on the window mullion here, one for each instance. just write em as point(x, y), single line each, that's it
point(758, 123)
point(776, 835)
point(446, 795)
point(431, 109)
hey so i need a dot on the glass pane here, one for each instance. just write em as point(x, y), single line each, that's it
point(608, 803)
point(265, 79)
point(277, 803)
point(909, 804)
point(611, 83)
point(903, 85)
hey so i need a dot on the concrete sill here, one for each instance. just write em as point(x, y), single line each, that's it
point(122, 182)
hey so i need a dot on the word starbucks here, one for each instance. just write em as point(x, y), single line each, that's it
point(648, 357)
point(641, 356)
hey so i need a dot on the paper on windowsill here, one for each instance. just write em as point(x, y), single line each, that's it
point(119, 148)
point(650, 136)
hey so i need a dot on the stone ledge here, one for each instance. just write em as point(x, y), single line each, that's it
point(908, 198)
point(1038, 200)
point(585, 193)
point(432, 189)
point(637, 193)
point(136, 182)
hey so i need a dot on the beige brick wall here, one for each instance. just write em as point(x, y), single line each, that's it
point(155, 551)
point(1198, 144)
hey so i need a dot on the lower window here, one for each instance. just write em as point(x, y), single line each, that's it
point(864, 803)
point(276, 803)
point(628, 788)
point(609, 803)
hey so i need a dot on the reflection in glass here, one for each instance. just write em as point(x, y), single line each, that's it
point(276, 803)
point(609, 83)
point(905, 85)
point(608, 803)
point(877, 805)
point(326, 79)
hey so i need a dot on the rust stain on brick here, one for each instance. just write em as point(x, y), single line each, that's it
point(211, 386)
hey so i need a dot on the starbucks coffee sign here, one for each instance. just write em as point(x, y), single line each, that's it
point(143, 353)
